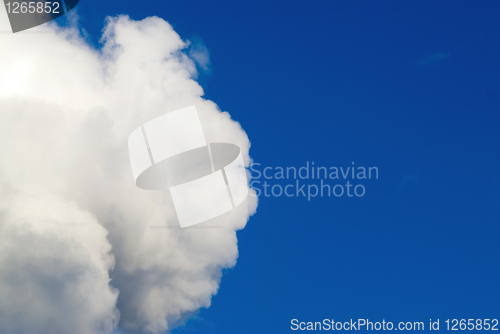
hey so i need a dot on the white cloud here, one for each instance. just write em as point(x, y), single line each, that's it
point(68, 192)
point(199, 52)
point(54, 263)
point(433, 57)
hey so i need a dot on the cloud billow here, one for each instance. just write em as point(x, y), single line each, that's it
point(77, 249)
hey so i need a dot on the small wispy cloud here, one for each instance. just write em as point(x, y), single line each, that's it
point(199, 53)
point(433, 57)
point(409, 181)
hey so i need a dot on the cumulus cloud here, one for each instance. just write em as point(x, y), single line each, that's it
point(54, 263)
point(78, 251)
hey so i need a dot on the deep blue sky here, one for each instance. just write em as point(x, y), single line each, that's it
point(410, 87)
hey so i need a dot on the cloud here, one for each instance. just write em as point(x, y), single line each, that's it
point(54, 263)
point(433, 57)
point(78, 251)
point(409, 181)
point(198, 51)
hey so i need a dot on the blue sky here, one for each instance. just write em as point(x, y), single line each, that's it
point(412, 88)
